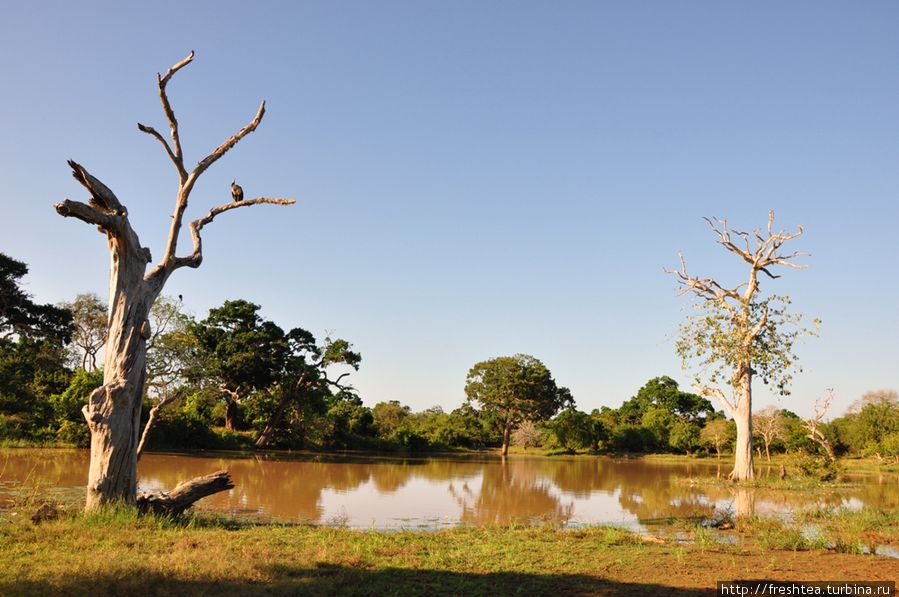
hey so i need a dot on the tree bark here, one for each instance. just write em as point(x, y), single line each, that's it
point(113, 410)
point(507, 434)
point(230, 413)
point(743, 469)
point(266, 436)
point(185, 494)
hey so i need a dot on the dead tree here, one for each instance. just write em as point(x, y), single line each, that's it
point(738, 335)
point(769, 425)
point(814, 432)
point(113, 410)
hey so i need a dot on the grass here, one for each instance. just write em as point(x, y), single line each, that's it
point(115, 551)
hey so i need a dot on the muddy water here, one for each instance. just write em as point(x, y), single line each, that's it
point(390, 493)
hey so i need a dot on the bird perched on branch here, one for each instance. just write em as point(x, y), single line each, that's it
point(236, 191)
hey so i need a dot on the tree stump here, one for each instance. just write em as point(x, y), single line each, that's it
point(183, 496)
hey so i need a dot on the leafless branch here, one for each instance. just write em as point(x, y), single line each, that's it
point(86, 213)
point(195, 258)
point(704, 287)
point(176, 155)
point(169, 262)
point(231, 142)
point(336, 383)
point(707, 392)
point(102, 197)
point(151, 131)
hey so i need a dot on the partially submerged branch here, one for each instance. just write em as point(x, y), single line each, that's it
point(183, 496)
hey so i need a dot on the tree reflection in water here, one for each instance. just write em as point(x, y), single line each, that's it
point(399, 491)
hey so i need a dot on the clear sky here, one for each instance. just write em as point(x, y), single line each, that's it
point(478, 179)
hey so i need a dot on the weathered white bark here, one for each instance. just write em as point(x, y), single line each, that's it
point(743, 465)
point(113, 410)
point(744, 502)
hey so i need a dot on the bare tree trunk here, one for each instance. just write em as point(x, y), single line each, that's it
point(743, 447)
point(151, 422)
point(286, 397)
point(113, 409)
point(230, 413)
point(266, 436)
point(507, 434)
point(767, 450)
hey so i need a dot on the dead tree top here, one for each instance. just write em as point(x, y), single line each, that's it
point(105, 211)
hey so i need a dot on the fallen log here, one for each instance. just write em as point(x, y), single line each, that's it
point(183, 496)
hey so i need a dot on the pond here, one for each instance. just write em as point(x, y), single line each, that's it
point(390, 493)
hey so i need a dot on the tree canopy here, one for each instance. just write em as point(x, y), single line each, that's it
point(21, 316)
point(515, 389)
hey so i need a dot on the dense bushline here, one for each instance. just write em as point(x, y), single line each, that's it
point(234, 380)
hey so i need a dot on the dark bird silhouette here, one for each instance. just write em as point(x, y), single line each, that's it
point(236, 191)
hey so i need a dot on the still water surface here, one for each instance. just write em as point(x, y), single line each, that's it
point(434, 492)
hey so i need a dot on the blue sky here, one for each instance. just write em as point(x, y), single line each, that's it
point(478, 179)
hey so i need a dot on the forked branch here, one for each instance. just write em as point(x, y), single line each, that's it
point(196, 258)
point(102, 197)
point(86, 213)
point(708, 392)
point(170, 261)
point(811, 425)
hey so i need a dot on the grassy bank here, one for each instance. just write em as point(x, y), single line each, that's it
point(120, 553)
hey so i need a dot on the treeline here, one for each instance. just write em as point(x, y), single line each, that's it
point(236, 380)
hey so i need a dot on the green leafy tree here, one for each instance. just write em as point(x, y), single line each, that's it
point(390, 417)
point(684, 436)
point(663, 392)
point(717, 434)
point(241, 352)
point(30, 372)
point(32, 355)
point(658, 421)
point(351, 423)
point(70, 424)
point(875, 416)
point(737, 333)
point(572, 429)
point(22, 317)
point(515, 389)
point(305, 386)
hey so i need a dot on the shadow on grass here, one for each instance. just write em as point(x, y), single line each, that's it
point(328, 579)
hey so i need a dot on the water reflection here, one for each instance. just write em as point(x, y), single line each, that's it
point(408, 492)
